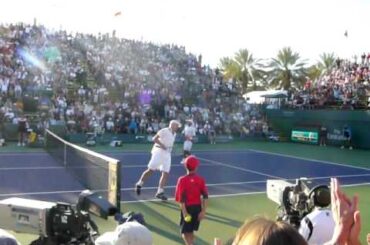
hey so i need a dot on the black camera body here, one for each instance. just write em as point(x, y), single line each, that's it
point(56, 223)
point(66, 225)
point(297, 200)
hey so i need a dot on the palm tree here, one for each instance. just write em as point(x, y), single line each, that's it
point(230, 68)
point(244, 68)
point(314, 72)
point(326, 63)
point(287, 70)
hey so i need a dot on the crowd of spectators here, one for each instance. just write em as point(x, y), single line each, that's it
point(107, 84)
point(345, 86)
point(104, 83)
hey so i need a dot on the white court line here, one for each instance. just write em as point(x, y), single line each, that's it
point(146, 165)
point(309, 159)
point(173, 186)
point(215, 184)
point(60, 167)
point(124, 189)
point(213, 196)
point(340, 176)
point(253, 182)
point(40, 193)
point(239, 168)
point(23, 154)
point(53, 167)
point(226, 195)
point(31, 168)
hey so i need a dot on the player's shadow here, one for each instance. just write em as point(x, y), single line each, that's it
point(209, 216)
point(160, 224)
point(223, 220)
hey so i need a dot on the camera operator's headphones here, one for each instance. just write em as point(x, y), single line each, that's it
point(319, 196)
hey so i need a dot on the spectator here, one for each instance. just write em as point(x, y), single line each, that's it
point(346, 216)
point(22, 130)
point(109, 125)
point(262, 231)
point(128, 233)
point(133, 127)
point(189, 190)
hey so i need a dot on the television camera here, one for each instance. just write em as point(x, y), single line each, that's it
point(297, 200)
point(56, 223)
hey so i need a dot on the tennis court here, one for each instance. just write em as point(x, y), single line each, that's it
point(39, 176)
point(228, 173)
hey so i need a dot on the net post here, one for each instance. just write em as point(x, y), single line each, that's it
point(119, 185)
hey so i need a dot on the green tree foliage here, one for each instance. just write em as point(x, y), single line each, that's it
point(244, 68)
point(314, 72)
point(326, 63)
point(323, 66)
point(287, 70)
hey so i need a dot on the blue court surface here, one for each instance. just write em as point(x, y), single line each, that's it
point(38, 176)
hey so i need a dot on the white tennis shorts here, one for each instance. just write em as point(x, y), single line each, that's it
point(160, 160)
point(187, 145)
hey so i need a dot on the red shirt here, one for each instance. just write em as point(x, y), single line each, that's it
point(190, 188)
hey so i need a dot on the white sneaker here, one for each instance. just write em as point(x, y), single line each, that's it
point(350, 148)
point(19, 144)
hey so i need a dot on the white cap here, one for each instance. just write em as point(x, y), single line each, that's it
point(321, 228)
point(7, 239)
point(128, 233)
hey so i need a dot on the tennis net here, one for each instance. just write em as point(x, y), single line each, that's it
point(94, 171)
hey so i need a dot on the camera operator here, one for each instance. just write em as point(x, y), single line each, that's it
point(7, 238)
point(347, 220)
point(128, 233)
point(317, 227)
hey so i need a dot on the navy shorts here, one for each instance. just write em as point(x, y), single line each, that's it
point(189, 227)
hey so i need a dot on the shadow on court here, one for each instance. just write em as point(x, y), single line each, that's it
point(159, 223)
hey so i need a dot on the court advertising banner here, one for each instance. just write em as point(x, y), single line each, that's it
point(305, 136)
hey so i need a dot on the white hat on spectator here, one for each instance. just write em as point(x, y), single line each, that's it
point(128, 233)
point(189, 121)
point(7, 239)
point(317, 227)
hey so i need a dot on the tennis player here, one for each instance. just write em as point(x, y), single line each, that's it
point(189, 190)
point(189, 133)
point(161, 158)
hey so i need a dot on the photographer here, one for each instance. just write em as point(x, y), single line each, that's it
point(346, 215)
point(128, 233)
point(7, 239)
